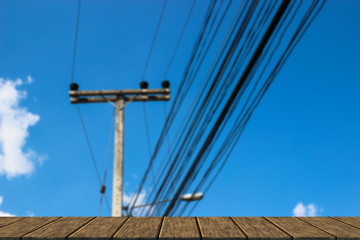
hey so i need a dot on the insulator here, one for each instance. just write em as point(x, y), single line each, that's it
point(144, 85)
point(102, 189)
point(74, 86)
point(165, 84)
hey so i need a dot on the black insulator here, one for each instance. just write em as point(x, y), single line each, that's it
point(74, 86)
point(165, 84)
point(144, 85)
point(102, 189)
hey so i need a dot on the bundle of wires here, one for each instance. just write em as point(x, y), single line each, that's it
point(240, 69)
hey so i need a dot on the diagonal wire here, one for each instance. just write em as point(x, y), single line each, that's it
point(154, 39)
point(205, 77)
point(75, 42)
point(107, 160)
point(282, 60)
point(88, 143)
point(91, 150)
point(226, 108)
point(148, 138)
point(179, 40)
point(78, 109)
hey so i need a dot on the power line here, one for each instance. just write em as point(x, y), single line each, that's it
point(196, 117)
point(148, 137)
point(90, 150)
point(89, 144)
point(75, 42)
point(237, 130)
point(154, 40)
point(226, 108)
point(78, 109)
point(103, 186)
point(179, 39)
point(207, 18)
point(165, 129)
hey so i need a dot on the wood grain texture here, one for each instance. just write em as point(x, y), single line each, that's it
point(18, 229)
point(219, 228)
point(257, 228)
point(140, 228)
point(59, 229)
point(101, 228)
point(299, 229)
point(354, 221)
point(9, 220)
point(341, 230)
point(179, 228)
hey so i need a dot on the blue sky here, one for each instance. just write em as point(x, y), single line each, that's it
point(302, 144)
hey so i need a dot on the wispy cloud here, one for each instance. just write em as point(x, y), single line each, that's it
point(140, 201)
point(311, 210)
point(15, 159)
point(4, 214)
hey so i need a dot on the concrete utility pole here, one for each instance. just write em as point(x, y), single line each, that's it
point(120, 98)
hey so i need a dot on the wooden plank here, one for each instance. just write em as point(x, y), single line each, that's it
point(60, 229)
point(257, 228)
point(219, 228)
point(354, 221)
point(299, 229)
point(140, 228)
point(341, 230)
point(184, 228)
point(8, 220)
point(18, 229)
point(101, 228)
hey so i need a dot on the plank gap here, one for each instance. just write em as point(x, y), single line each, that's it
point(67, 237)
point(317, 227)
point(198, 225)
point(80, 227)
point(39, 227)
point(279, 227)
point(120, 227)
point(160, 228)
point(340, 220)
point(7, 218)
point(246, 235)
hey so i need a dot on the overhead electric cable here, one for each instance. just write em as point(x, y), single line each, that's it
point(91, 151)
point(211, 65)
point(103, 186)
point(148, 138)
point(238, 86)
point(179, 40)
point(89, 144)
point(271, 77)
point(154, 40)
point(75, 41)
point(78, 109)
point(157, 148)
point(186, 137)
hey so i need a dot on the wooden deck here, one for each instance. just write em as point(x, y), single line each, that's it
point(256, 228)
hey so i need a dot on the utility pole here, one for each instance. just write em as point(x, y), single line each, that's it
point(120, 98)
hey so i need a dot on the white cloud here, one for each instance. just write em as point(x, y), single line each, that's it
point(140, 201)
point(310, 210)
point(30, 214)
point(4, 214)
point(135, 176)
point(30, 79)
point(14, 123)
